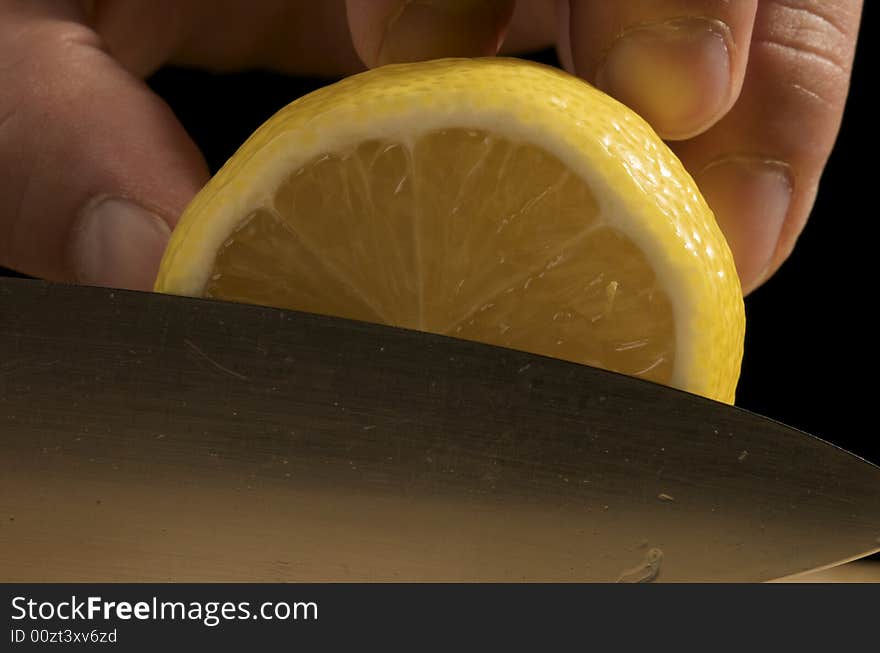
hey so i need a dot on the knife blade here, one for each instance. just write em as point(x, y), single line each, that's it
point(150, 437)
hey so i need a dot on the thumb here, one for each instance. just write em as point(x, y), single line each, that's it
point(397, 31)
point(96, 167)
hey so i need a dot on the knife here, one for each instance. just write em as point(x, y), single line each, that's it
point(147, 437)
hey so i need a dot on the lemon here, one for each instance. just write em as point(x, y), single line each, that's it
point(488, 199)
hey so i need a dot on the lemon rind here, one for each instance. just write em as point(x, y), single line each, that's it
point(642, 188)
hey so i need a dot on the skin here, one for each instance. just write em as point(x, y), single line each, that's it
point(749, 94)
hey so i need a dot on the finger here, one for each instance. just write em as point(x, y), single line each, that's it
point(563, 35)
point(678, 63)
point(96, 168)
point(533, 26)
point(141, 34)
point(392, 31)
point(759, 167)
point(302, 38)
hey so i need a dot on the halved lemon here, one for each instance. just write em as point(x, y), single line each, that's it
point(490, 199)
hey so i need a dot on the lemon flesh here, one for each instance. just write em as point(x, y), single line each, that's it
point(492, 200)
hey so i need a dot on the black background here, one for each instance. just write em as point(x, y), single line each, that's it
point(811, 336)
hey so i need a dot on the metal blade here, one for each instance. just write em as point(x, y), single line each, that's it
point(149, 437)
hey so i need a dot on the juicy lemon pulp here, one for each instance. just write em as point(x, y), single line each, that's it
point(465, 233)
point(494, 200)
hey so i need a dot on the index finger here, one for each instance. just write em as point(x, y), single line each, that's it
point(396, 31)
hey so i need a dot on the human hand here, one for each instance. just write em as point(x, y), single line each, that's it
point(97, 168)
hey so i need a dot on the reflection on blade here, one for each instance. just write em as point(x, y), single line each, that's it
point(149, 437)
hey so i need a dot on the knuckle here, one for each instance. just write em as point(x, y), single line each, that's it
point(800, 62)
point(817, 38)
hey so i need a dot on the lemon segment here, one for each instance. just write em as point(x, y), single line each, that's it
point(489, 199)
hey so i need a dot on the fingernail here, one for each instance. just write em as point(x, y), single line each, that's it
point(430, 29)
point(750, 198)
point(117, 243)
point(675, 74)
